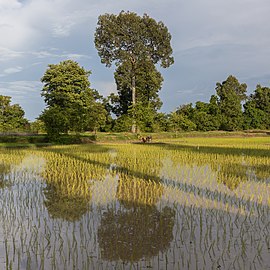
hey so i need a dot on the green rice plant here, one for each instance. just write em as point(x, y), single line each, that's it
point(184, 202)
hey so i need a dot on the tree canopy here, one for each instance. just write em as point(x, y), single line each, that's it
point(257, 109)
point(230, 94)
point(71, 104)
point(149, 82)
point(129, 37)
point(11, 116)
point(132, 42)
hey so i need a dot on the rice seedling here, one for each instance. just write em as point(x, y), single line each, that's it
point(182, 204)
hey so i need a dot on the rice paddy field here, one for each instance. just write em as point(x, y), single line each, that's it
point(191, 203)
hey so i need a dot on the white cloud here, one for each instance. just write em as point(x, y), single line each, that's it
point(9, 4)
point(46, 54)
point(63, 27)
point(12, 70)
point(8, 54)
point(20, 88)
point(193, 23)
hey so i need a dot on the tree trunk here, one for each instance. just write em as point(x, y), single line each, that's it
point(133, 89)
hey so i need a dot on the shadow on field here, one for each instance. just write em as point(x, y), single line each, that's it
point(212, 150)
point(216, 195)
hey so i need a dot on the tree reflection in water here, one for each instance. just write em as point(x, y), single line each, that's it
point(4, 170)
point(65, 206)
point(67, 192)
point(138, 229)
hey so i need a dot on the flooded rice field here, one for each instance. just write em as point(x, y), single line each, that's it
point(190, 204)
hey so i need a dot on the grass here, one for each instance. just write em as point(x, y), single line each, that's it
point(110, 137)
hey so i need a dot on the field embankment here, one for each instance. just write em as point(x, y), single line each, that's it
point(27, 139)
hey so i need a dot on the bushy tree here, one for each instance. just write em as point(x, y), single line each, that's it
point(71, 104)
point(180, 120)
point(37, 126)
point(145, 116)
point(257, 109)
point(122, 123)
point(131, 42)
point(206, 116)
point(230, 95)
point(11, 116)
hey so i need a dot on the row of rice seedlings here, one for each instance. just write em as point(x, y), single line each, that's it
point(230, 198)
point(36, 241)
point(65, 193)
point(133, 195)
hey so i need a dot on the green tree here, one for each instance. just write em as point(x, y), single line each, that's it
point(122, 123)
point(144, 115)
point(37, 126)
point(230, 95)
point(206, 116)
point(148, 83)
point(130, 40)
point(181, 118)
point(11, 116)
point(257, 109)
point(71, 104)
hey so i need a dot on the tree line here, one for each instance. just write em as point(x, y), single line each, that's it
point(85, 109)
point(135, 45)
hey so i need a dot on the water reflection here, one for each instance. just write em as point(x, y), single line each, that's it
point(67, 192)
point(137, 229)
point(61, 205)
point(233, 175)
point(4, 170)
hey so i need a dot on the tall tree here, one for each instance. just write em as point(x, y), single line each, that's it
point(71, 103)
point(148, 83)
point(128, 39)
point(230, 95)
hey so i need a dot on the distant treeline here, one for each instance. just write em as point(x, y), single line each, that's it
point(229, 109)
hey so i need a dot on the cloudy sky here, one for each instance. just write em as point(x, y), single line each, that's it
point(211, 39)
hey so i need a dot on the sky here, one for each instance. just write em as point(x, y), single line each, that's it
point(211, 39)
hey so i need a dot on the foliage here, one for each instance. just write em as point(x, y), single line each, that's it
point(11, 116)
point(230, 94)
point(128, 37)
point(257, 109)
point(71, 104)
point(180, 122)
point(37, 126)
point(134, 43)
point(148, 83)
point(181, 119)
point(122, 123)
point(56, 121)
point(206, 115)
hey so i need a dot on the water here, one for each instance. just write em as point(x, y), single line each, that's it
point(189, 219)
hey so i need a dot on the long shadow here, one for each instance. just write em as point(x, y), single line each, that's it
point(207, 193)
point(213, 150)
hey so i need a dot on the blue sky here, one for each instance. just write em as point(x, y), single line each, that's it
point(211, 39)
